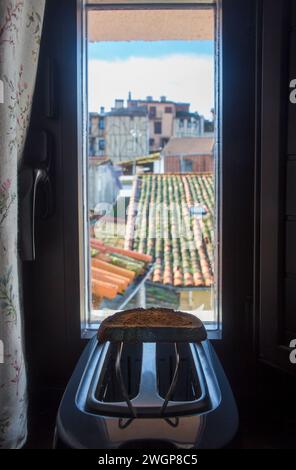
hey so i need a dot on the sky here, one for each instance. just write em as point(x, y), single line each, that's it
point(180, 70)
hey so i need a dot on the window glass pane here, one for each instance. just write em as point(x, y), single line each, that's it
point(157, 127)
point(151, 163)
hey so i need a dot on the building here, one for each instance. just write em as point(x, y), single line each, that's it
point(187, 124)
point(143, 127)
point(97, 134)
point(121, 134)
point(188, 155)
point(144, 164)
point(170, 119)
point(161, 116)
point(127, 132)
point(103, 184)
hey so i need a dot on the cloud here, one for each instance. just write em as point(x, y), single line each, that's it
point(187, 78)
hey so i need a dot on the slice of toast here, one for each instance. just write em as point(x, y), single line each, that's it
point(152, 326)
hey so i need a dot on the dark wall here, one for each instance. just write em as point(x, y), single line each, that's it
point(51, 283)
point(276, 197)
point(237, 142)
point(290, 199)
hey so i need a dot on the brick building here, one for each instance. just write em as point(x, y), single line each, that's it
point(188, 155)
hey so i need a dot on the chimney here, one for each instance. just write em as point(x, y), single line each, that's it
point(202, 126)
point(149, 98)
point(102, 110)
point(129, 96)
point(163, 99)
point(119, 104)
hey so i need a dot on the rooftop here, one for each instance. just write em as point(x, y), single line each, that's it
point(189, 146)
point(186, 115)
point(132, 111)
point(140, 160)
point(171, 218)
point(150, 100)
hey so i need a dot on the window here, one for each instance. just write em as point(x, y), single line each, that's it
point(186, 166)
point(57, 258)
point(189, 123)
point(101, 144)
point(152, 112)
point(157, 127)
point(102, 123)
point(208, 127)
point(92, 143)
point(151, 217)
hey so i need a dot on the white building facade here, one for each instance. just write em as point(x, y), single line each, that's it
point(121, 134)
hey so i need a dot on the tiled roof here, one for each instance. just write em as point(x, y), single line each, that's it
point(189, 146)
point(171, 218)
point(115, 271)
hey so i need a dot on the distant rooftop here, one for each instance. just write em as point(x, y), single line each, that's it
point(138, 107)
point(189, 146)
point(186, 114)
point(132, 111)
point(162, 100)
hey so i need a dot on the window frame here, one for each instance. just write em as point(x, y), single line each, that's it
point(152, 112)
point(185, 162)
point(157, 127)
point(234, 289)
point(102, 145)
point(55, 343)
point(215, 332)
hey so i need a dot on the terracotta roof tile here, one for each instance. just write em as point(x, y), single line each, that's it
point(171, 218)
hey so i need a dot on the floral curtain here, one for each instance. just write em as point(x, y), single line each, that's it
point(20, 33)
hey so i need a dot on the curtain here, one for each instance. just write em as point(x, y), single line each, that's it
point(20, 33)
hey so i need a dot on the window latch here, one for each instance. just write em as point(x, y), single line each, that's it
point(36, 196)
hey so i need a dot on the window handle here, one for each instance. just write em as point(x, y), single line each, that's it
point(36, 201)
point(36, 195)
